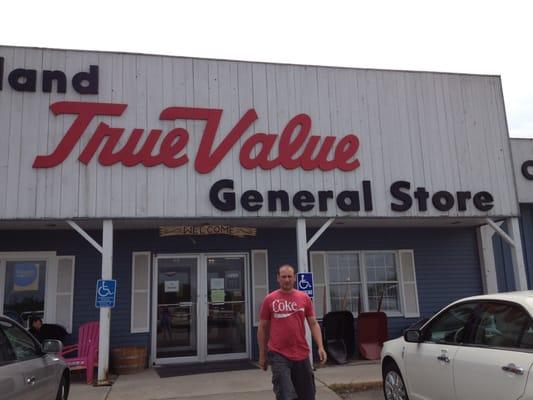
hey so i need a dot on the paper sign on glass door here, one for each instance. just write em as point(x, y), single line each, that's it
point(172, 286)
point(217, 283)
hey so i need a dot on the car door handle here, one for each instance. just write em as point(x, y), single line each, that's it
point(513, 369)
point(444, 358)
point(30, 380)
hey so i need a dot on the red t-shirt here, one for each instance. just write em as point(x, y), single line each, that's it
point(287, 313)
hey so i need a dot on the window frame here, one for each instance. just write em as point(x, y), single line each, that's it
point(361, 254)
point(362, 291)
point(399, 281)
point(50, 257)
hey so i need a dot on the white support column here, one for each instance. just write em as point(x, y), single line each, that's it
point(301, 241)
point(517, 255)
point(486, 258)
point(303, 266)
point(105, 312)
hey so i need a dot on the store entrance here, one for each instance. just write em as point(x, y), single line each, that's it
point(201, 305)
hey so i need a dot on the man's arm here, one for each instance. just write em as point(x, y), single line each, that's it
point(317, 337)
point(262, 338)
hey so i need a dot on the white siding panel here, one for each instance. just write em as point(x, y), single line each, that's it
point(5, 127)
point(141, 114)
point(89, 185)
point(246, 101)
point(154, 105)
point(117, 96)
point(27, 188)
point(439, 131)
point(68, 195)
point(14, 142)
point(129, 121)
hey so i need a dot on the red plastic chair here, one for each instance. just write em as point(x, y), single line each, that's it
point(372, 331)
point(87, 350)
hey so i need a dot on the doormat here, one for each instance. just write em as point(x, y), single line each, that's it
point(168, 371)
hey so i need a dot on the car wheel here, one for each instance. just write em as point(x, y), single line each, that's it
point(393, 385)
point(62, 390)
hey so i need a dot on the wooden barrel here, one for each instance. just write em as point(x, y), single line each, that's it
point(128, 360)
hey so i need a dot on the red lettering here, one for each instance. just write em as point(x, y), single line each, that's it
point(296, 147)
point(288, 147)
point(85, 112)
point(261, 159)
point(345, 150)
point(206, 158)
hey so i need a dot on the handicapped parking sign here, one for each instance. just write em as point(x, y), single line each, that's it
point(105, 293)
point(304, 281)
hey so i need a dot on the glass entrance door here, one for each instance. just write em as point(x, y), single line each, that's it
point(177, 298)
point(226, 316)
point(200, 308)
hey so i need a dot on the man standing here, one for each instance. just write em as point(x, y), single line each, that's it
point(283, 314)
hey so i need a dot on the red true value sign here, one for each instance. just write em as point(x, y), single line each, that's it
point(172, 150)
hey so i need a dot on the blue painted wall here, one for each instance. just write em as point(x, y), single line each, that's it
point(502, 252)
point(446, 260)
point(526, 225)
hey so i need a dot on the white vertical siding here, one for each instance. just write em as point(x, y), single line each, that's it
point(440, 131)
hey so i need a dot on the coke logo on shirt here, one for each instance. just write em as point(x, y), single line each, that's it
point(284, 306)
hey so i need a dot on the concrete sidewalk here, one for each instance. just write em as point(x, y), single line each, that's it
point(238, 385)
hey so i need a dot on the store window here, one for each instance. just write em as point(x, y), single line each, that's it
point(344, 281)
point(37, 284)
point(24, 288)
point(382, 282)
point(366, 280)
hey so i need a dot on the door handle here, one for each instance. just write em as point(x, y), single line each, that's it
point(513, 369)
point(30, 380)
point(443, 358)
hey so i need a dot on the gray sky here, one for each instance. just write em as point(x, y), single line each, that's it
point(484, 37)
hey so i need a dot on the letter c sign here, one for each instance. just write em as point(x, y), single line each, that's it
point(526, 170)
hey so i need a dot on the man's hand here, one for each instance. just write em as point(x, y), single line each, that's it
point(263, 362)
point(322, 355)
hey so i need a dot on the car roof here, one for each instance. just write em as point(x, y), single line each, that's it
point(524, 298)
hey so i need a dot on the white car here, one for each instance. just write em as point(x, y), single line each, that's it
point(477, 348)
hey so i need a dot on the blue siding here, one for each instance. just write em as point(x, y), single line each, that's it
point(526, 225)
point(504, 264)
point(446, 260)
point(502, 252)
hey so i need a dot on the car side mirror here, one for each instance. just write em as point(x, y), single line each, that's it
point(52, 346)
point(413, 336)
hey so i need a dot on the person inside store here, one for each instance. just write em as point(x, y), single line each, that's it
point(36, 323)
point(282, 341)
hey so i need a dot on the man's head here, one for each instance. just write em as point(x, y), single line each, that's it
point(286, 278)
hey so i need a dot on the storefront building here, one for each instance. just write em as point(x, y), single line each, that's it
point(190, 181)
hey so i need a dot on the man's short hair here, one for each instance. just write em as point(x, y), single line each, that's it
point(286, 266)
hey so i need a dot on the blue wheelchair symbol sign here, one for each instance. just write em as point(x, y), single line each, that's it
point(105, 293)
point(304, 281)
